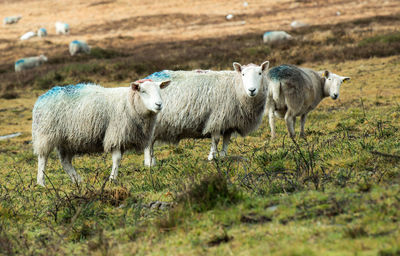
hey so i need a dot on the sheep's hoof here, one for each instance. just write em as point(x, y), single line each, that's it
point(41, 183)
point(211, 156)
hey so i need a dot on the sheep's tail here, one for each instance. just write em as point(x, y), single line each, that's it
point(275, 89)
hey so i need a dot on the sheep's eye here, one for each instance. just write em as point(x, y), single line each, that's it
point(259, 73)
point(243, 74)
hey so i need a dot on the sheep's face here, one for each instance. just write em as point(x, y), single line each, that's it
point(333, 83)
point(149, 93)
point(252, 76)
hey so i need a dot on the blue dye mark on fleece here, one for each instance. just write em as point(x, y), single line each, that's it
point(19, 61)
point(43, 30)
point(267, 33)
point(76, 42)
point(69, 90)
point(281, 72)
point(159, 76)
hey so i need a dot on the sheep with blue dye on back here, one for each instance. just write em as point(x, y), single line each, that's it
point(295, 91)
point(62, 28)
point(29, 62)
point(88, 118)
point(78, 47)
point(204, 104)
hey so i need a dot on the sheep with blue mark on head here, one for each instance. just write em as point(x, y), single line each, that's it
point(295, 91)
point(62, 28)
point(11, 20)
point(210, 104)
point(42, 32)
point(29, 63)
point(76, 47)
point(88, 118)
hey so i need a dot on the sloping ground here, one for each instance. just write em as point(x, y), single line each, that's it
point(337, 193)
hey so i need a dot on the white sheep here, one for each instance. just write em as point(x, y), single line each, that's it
point(42, 32)
point(88, 118)
point(27, 35)
point(295, 91)
point(62, 28)
point(210, 104)
point(78, 47)
point(30, 62)
point(271, 37)
point(11, 20)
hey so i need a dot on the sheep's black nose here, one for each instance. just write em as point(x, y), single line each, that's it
point(158, 104)
point(335, 96)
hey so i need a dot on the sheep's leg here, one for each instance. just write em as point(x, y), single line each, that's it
point(290, 121)
point(149, 159)
point(214, 146)
point(302, 123)
point(225, 144)
point(272, 123)
point(42, 160)
point(116, 158)
point(66, 162)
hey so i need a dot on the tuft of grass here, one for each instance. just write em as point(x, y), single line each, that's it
point(384, 39)
point(209, 191)
point(100, 53)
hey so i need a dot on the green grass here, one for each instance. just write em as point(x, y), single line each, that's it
point(335, 193)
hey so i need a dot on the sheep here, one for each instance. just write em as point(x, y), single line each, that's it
point(78, 47)
point(271, 37)
point(295, 91)
point(27, 35)
point(210, 104)
point(62, 28)
point(30, 62)
point(42, 32)
point(88, 118)
point(11, 20)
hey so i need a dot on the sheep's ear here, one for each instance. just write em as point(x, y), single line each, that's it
point(325, 74)
point(135, 86)
point(237, 67)
point(264, 65)
point(164, 84)
point(345, 79)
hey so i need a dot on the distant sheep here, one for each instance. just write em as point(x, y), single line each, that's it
point(42, 32)
point(88, 118)
point(295, 91)
point(11, 20)
point(30, 62)
point(271, 37)
point(62, 28)
point(210, 104)
point(78, 47)
point(28, 35)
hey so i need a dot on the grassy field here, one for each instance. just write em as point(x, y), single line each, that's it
point(337, 192)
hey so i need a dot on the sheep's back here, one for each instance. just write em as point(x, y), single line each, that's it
point(199, 103)
point(75, 117)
